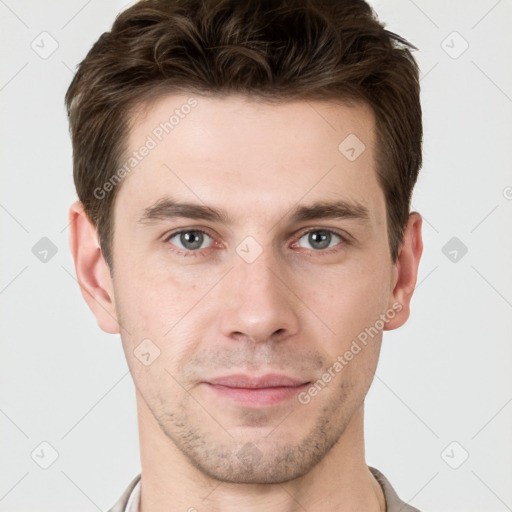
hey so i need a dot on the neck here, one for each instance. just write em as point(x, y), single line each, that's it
point(341, 482)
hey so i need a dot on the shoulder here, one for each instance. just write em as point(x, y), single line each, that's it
point(393, 502)
point(120, 505)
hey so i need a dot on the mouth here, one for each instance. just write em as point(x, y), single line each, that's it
point(251, 391)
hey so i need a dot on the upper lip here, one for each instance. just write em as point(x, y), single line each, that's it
point(248, 381)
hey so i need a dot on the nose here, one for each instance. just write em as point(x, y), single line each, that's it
point(260, 304)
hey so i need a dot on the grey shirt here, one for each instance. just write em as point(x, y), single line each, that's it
point(129, 501)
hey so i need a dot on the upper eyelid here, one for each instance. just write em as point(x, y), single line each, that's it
point(329, 230)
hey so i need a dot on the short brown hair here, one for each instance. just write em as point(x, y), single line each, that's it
point(267, 49)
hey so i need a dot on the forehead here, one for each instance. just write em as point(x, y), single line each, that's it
point(233, 152)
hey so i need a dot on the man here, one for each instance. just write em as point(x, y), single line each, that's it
point(244, 173)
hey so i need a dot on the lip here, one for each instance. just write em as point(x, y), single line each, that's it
point(270, 380)
point(252, 391)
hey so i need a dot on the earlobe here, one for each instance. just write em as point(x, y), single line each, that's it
point(405, 272)
point(91, 269)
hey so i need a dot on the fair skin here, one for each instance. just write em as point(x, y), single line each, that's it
point(212, 313)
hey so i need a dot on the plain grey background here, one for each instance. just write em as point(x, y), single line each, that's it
point(439, 413)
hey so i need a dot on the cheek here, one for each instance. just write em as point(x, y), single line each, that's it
point(159, 315)
point(148, 301)
point(348, 299)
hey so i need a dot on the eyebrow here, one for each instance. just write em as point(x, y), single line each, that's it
point(166, 208)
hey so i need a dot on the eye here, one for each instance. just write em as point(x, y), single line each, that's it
point(190, 240)
point(319, 239)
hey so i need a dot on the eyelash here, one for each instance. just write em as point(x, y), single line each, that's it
point(200, 252)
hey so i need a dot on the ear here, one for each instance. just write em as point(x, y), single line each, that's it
point(92, 272)
point(405, 272)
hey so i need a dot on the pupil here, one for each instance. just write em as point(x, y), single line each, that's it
point(319, 239)
point(187, 239)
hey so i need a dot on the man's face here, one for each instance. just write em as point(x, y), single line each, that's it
point(260, 291)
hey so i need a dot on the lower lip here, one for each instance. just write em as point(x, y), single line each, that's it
point(257, 397)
